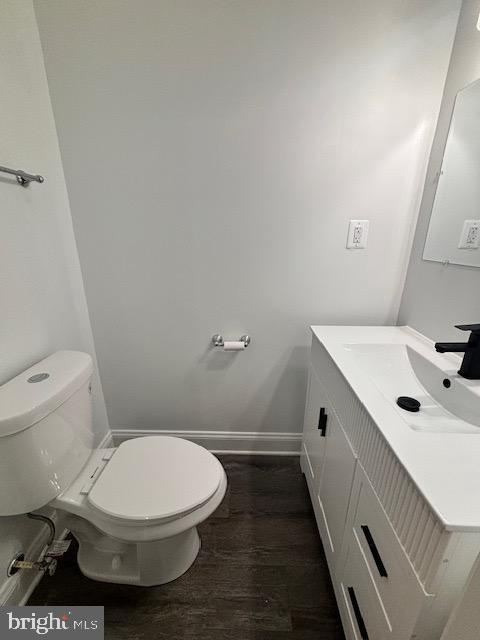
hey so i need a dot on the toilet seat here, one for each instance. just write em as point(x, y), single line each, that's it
point(156, 478)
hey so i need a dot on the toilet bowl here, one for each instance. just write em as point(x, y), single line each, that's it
point(134, 509)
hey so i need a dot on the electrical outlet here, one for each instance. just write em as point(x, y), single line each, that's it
point(357, 234)
point(470, 236)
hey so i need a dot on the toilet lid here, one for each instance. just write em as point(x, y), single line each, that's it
point(156, 477)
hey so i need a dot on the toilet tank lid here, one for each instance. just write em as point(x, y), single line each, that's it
point(33, 394)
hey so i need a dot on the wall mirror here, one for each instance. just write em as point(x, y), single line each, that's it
point(454, 231)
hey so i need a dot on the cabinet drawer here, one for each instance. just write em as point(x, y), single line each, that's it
point(394, 579)
point(364, 617)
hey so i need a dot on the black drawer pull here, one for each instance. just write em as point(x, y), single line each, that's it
point(358, 614)
point(374, 551)
point(322, 422)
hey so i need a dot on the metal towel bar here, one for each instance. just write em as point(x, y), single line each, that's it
point(22, 177)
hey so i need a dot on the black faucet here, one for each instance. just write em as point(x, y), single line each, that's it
point(471, 360)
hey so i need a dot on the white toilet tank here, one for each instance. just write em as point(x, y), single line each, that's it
point(46, 434)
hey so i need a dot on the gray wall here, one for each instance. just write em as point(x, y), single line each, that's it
point(41, 290)
point(214, 152)
point(436, 297)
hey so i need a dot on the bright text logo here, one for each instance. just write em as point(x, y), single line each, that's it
point(31, 622)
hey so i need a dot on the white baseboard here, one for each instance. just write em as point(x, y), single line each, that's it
point(241, 442)
point(106, 442)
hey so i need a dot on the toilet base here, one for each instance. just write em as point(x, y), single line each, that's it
point(144, 564)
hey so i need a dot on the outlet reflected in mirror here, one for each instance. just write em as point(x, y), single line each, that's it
point(454, 231)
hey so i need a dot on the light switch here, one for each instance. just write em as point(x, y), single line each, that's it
point(357, 234)
point(470, 236)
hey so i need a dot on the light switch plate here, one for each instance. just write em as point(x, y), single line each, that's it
point(357, 234)
point(470, 236)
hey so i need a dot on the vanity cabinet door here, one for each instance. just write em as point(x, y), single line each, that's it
point(313, 448)
point(335, 488)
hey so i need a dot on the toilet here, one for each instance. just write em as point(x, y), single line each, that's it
point(133, 509)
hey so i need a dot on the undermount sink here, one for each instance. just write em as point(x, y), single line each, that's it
point(449, 403)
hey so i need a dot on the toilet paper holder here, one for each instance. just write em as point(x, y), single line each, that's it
point(218, 341)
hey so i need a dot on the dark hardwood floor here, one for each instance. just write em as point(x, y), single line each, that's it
point(261, 573)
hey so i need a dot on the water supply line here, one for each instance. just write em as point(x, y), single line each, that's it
point(47, 521)
point(47, 560)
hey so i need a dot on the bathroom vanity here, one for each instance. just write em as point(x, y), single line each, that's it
point(395, 493)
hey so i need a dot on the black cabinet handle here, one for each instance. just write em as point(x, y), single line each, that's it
point(374, 551)
point(358, 614)
point(322, 422)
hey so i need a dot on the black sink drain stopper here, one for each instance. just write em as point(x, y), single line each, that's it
point(409, 404)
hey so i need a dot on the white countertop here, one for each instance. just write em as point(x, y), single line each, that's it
point(445, 467)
